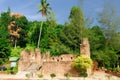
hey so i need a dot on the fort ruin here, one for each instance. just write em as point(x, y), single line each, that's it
point(34, 61)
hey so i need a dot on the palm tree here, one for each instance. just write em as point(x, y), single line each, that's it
point(45, 10)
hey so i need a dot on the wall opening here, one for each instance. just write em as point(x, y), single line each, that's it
point(61, 58)
point(57, 60)
point(53, 59)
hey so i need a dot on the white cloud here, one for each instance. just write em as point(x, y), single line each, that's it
point(34, 17)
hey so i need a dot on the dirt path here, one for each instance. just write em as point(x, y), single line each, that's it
point(96, 76)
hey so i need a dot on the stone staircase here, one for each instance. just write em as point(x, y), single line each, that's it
point(32, 68)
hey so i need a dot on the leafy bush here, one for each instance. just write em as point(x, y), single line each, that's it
point(16, 52)
point(12, 70)
point(15, 69)
point(116, 69)
point(40, 75)
point(53, 75)
point(82, 63)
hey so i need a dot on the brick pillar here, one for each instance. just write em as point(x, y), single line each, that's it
point(85, 50)
point(85, 47)
point(38, 55)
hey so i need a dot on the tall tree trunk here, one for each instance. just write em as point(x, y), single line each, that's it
point(15, 43)
point(40, 34)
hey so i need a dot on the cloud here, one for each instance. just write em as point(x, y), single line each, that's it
point(33, 17)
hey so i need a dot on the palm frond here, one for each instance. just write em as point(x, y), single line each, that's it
point(43, 2)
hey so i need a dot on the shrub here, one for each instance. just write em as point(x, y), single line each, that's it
point(82, 63)
point(27, 75)
point(8, 70)
point(40, 75)
point(12, 70)
point(84, 74)
point(15, 52)
point(116, 69)
point(15, 70)
point(53, 75)
point(68, 75)
point(109, 69)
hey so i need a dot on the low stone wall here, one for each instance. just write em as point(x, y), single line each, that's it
point(58, 68)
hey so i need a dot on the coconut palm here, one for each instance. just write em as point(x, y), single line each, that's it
point(45, 10)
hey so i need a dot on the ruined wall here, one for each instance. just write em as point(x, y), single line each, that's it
point(64, 57)
point(27, 58)
point(45, 64)
point(85, 47)
point(58, 68)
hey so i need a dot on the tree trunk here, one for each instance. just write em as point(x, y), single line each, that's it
point(40, 34)
point(15, 43)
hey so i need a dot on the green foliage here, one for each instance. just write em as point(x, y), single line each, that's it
point(84, 74)
point(52, 75)
point(106, 58)
point(5, 20)
point(82, 63)
point(4, 41)
point(8, 70)
point(109, 69)
point(116, 69)
point(15, 69)
point(4, 50)
point(33, 32)
point(71, 35)
point(15, 52)
point(44, 8)
point(30, 47)
point(12, 71)
point(96, 43)
point(40, 75)
point(76, 16)
point(110, 26)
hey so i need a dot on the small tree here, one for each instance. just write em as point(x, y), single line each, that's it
point(82, 63)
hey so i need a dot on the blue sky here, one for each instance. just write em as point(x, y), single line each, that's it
point(61, 8)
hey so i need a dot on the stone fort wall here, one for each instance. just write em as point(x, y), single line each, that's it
point(34, 61)
point(45, 64)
